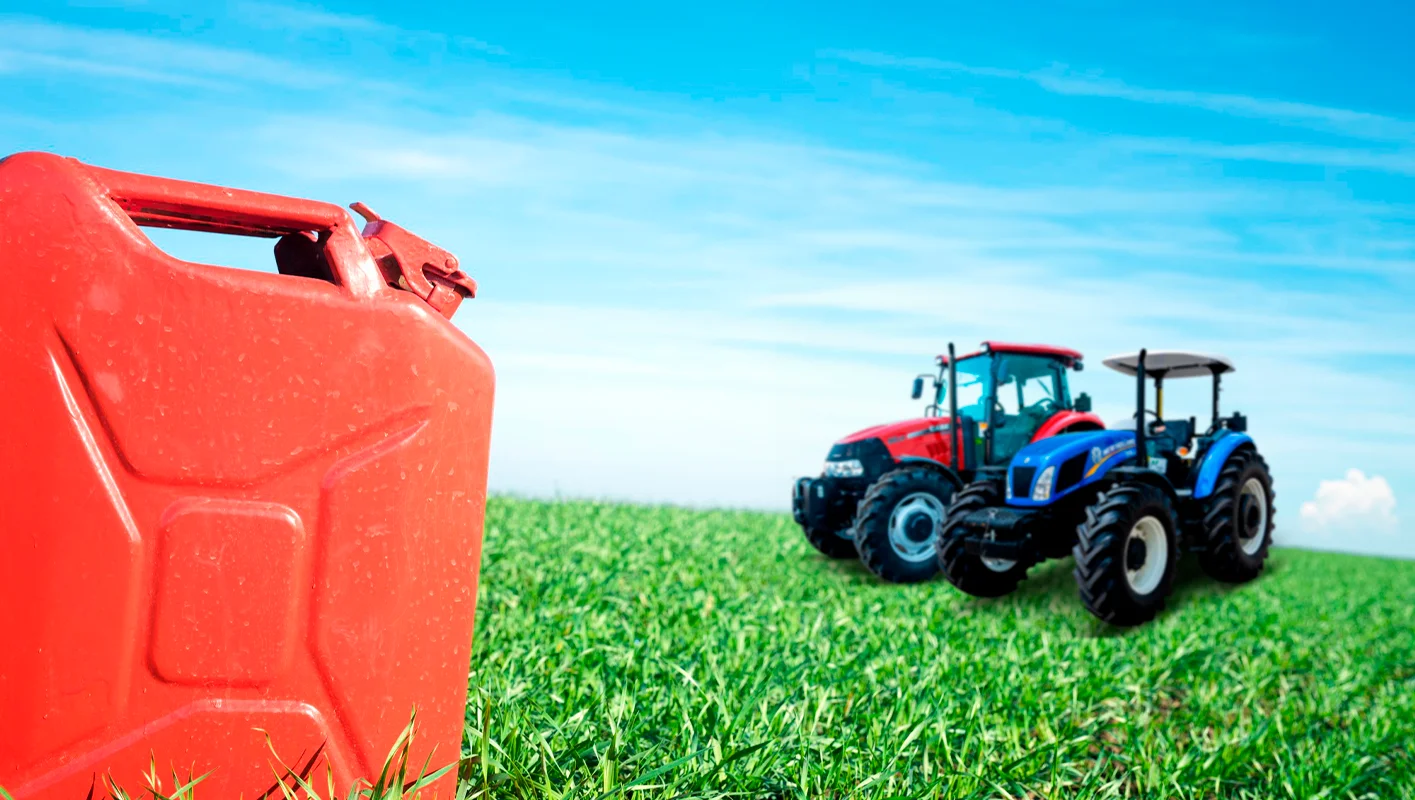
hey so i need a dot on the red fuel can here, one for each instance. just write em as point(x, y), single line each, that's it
point(230, 501)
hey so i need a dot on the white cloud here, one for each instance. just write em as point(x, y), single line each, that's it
point(1355, 505)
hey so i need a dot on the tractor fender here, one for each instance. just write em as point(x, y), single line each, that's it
point(924, 461)
point(1214, 459)
point(1068, 422)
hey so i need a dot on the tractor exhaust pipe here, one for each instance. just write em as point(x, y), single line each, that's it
point(1141, 457)
point(1215, 370)
point(952, 390)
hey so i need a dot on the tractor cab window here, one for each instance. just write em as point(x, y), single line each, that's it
point(974, 377)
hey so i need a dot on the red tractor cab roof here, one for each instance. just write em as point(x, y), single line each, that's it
point(1063, 353)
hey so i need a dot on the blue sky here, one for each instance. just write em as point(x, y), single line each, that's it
point(712, 239)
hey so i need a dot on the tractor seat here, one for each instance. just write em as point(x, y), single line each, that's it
point(1177, 433)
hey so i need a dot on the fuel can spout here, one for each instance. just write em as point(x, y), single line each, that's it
point(414, 264)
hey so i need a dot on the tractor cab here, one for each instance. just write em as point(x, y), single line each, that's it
point(1005, 396)
point(1173, 446)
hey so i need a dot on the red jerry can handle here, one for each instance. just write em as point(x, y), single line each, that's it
point(184, 205)
point(384, 255)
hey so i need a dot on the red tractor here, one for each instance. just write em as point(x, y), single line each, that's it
point(884, 491)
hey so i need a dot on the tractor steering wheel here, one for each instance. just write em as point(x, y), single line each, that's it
point(1158, 421)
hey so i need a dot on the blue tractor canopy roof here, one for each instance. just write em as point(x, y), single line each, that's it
point(1171, 364)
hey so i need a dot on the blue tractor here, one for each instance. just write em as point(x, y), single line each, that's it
point(1125, 502)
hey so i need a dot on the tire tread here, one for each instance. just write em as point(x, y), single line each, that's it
point(872, 524)
point(1101, 539)
point(964, 571)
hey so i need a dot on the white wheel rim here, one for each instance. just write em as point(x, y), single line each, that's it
point(1145, 576)
point(1251, 539)
point(998, 564)
point(916, 509)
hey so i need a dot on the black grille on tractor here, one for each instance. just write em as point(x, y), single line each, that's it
point(1072, 470)
point(873, 456)
point(1022, 481)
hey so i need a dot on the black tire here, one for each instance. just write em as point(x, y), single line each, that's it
point(1237, 526)
point(831, 543)
point(1105, 550)
point(968, 572)
point(916, 493)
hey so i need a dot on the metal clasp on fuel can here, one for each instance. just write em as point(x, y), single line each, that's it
point(414, 264)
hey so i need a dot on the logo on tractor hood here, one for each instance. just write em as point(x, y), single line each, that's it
point(1100, 456)
point(943, 428)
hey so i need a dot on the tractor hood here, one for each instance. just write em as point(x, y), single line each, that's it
point(891, 430)
point(1078, 459)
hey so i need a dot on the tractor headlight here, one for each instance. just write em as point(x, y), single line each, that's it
point(1042, 490)
point(851, 468)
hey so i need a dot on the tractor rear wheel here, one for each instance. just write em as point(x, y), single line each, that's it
point(1126, 552)
point(834, 544)
point(978, 576)
point(898, 521)
point(1238, 520)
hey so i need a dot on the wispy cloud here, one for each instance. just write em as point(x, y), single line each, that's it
point(839, 202)
point(299, 18)
point(1398, 160)
point(1058, 79)
point(12, 61)
point(28, 45)
point(38, 46)
point(279, 15)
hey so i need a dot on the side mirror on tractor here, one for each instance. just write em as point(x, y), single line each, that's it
point(1083, 403)
point(918, 387)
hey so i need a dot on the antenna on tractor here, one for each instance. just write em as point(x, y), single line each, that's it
point(1141, 457)
point(952, 390)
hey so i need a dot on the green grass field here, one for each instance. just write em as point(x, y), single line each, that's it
point(652, 652)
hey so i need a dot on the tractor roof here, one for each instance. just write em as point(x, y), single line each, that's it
point(1171, 364)
point(1066, 354)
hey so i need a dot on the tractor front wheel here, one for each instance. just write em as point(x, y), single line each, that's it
point(1126, 553)
point(834, 544)
point(1238, 520)
point(898, 522)
point(976, 575)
